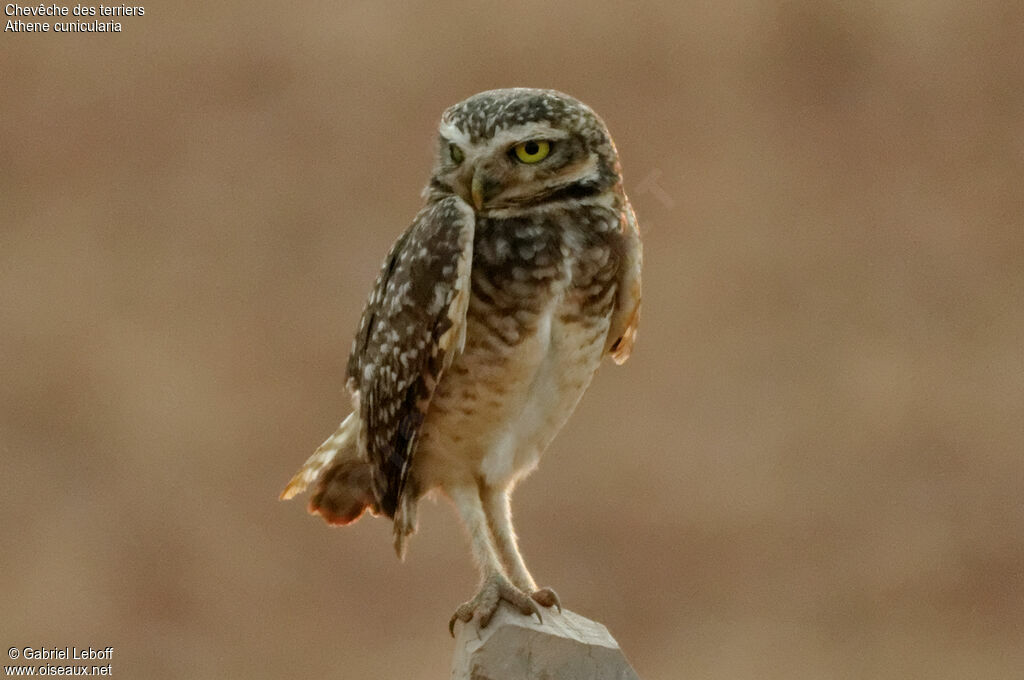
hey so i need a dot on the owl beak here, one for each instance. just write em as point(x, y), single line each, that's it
point(483, 188)
point(477, 191)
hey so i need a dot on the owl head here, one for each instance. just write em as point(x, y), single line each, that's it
point(518, 147)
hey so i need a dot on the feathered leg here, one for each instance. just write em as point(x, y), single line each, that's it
point(499, 517)
point(495, 585)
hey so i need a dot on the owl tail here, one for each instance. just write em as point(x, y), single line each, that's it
point(343, 482)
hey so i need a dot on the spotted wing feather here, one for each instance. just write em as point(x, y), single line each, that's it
point(413, 325)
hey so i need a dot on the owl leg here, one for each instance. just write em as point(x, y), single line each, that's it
point(499, 517)
point(495, 585)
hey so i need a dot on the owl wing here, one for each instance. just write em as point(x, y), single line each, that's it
point(413, 325)
point(626, 315)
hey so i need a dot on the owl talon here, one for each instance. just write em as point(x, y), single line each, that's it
point(486, 602)
point(547, 598)
point(461, 616)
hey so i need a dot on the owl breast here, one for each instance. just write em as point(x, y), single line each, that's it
point(542, 294)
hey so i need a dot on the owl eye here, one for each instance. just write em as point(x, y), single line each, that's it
point(456, 153)
point(532, 151)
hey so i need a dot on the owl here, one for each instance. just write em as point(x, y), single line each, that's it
point(488, 319)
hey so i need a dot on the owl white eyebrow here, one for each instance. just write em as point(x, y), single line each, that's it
point(503, 136)
point(454, 135)
point(519, 133)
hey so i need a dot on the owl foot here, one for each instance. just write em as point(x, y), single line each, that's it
point(547, 598)
point(492, 592)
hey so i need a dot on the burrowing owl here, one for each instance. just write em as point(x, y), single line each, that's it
point(484, 328)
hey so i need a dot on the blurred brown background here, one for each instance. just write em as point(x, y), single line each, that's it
point(811, 467)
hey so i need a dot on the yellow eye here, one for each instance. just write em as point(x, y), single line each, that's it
point(533, 151)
